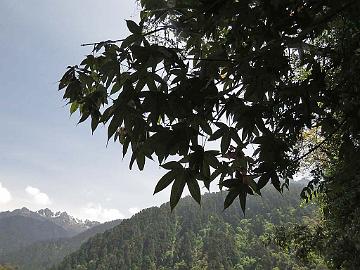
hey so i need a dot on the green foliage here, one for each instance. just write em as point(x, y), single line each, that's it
point(239, 73)
point(7, 267)
point(197, 238)
point(341, 214)
point(334, 236)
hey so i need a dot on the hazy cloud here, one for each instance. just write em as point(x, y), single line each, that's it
point(33, 148)
point(133, 210)
point(5, 195)
point(38, 196)
point(98, 213)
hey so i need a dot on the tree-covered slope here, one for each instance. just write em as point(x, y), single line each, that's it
point(42, 255)
point(6, 267)
point(194, 237)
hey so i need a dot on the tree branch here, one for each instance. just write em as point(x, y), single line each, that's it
point(321, 143)
point(120, 40)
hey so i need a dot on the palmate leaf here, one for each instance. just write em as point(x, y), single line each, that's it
point(172, 165)
point(275, 181)
point(177, 189)
point(253, 185)
point(236, 188)
point(225, 142)
point(95, 120)
point(165, 181)
point(263, 180)
point(140, 160)
point(174, 95)
point(194, 189)
point(217, 134)
point(230, 183)
point(73, 108)
point(211, 158)
point(115, 123)
point(84, 115)
point(242, 199)
point(231, 196)
point(133, 27)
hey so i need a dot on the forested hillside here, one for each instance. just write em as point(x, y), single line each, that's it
point(194, 237)
point(42, 255)
point(6, 267)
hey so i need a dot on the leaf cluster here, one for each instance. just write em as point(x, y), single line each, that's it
point(244, 74)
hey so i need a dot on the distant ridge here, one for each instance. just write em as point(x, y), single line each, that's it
point(44, 254)
point(72, 225)
point(22, 227)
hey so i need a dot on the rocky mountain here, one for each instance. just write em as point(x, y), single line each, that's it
point(22, 227)
point(197, 238)
point(71, 224)
point(66, 221)
point(19, 231)
point(42, 255)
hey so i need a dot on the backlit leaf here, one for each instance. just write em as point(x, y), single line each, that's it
point(165, 181)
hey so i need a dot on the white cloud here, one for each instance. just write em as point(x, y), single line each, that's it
point(98, 213)
point(5, 195)
point(133, 210)
point(39, 197)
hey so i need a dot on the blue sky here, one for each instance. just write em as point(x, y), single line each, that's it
point(46, 160)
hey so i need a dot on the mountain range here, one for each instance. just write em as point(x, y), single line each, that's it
point(42, 237)
point(70, 224)
point(191, 237)
point(42, 255)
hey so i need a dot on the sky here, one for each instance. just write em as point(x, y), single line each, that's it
point(46, 159)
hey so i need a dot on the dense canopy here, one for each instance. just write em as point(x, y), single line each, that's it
point(252, 76)
point(194, 238)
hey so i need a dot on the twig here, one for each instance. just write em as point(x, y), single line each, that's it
point(120, 40)
point(321, 143)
